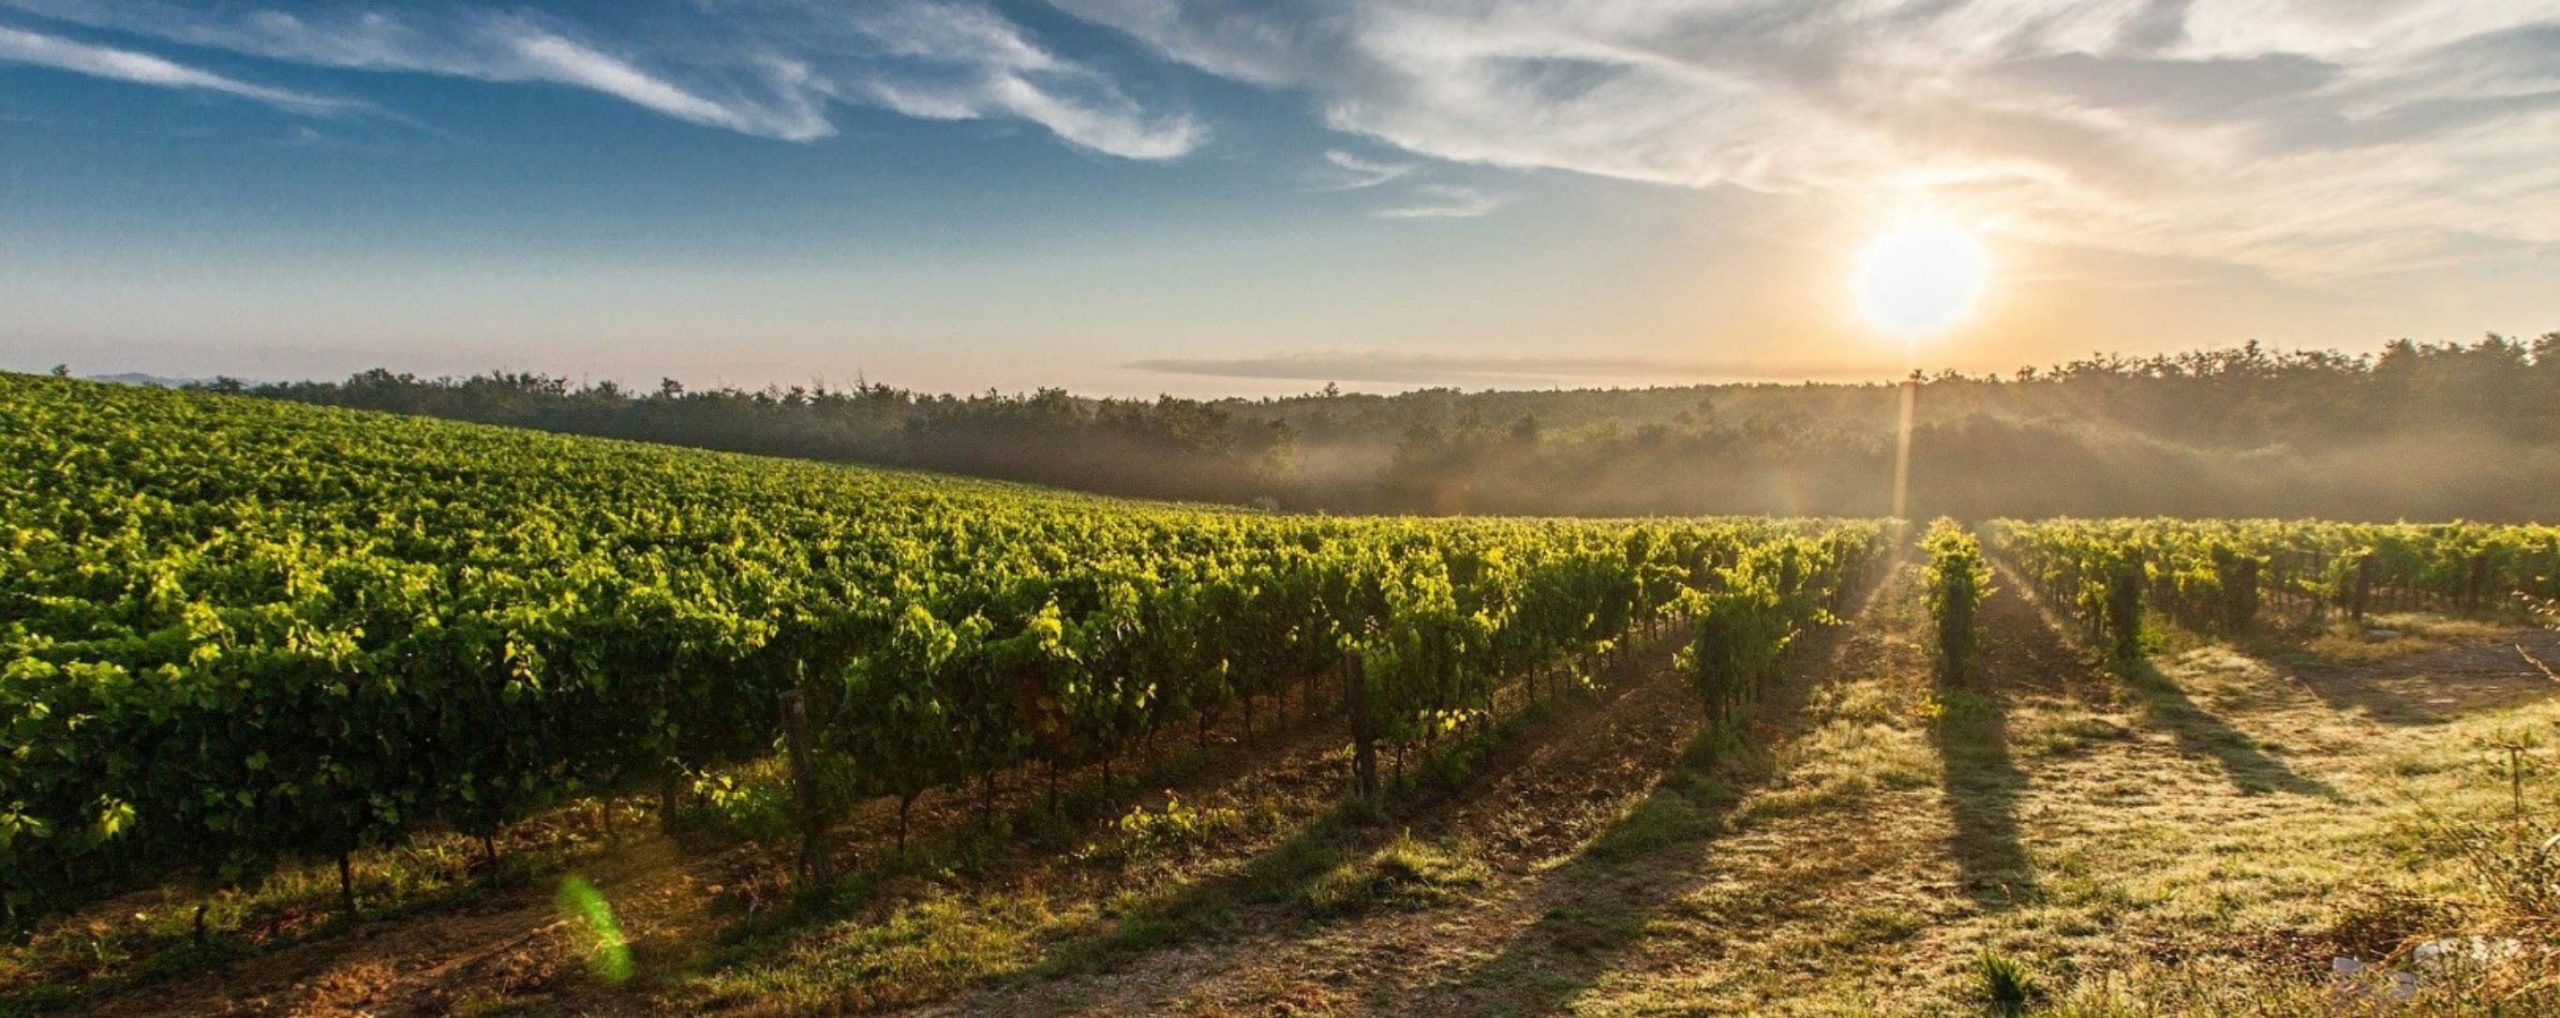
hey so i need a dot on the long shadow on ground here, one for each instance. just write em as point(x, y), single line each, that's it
point(1298, 883)
point(2021, 653)
point(1983, 784)
point(2199, 732)
point(2202, 733)
point(1599, 905)
point(2432, 687)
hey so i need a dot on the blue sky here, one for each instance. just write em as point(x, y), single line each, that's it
point(1134, 196)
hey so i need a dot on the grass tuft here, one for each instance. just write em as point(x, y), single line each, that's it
point(2007, 986)
point(1405, 872)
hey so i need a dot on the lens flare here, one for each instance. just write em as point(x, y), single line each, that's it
point(608, 954)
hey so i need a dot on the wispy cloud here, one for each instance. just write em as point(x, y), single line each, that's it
point(1444, 201)
point(768, 68)
point(966, 61)
point(543, 56)
point(1348, 172)
point(2301, 137)
point(1434, 369)
point(144, 69)
point(482, 45)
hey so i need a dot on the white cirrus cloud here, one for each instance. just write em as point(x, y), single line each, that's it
point(1444, 201)
point(768, 68)
point(144, 69)
point(1346, 171)
point(2302, 137)
point(947, 60)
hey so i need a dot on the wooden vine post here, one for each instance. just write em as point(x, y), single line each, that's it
point(814, 863)
point(1364, 732)
point(2363, 586)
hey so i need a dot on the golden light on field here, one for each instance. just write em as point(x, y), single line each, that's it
point(1920, 276)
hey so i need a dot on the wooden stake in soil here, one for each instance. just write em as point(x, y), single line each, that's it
point(814, 864)
point(2363, 588)
point(1364, 747)
point(347, 883)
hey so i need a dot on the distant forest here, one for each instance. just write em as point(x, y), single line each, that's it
point(2418, 431)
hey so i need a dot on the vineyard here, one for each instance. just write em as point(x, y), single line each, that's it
point(239, 630)
point(245, 638)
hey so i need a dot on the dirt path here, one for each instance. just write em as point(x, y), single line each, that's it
point(675, 901)
point(431, 963)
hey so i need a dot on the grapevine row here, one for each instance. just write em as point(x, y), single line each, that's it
point(2219, 576)
point(1958, 578)
point(234, 632)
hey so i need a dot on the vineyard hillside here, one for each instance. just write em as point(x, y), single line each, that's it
point(329, 712)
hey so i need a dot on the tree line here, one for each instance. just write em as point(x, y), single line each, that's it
point(2417, 430)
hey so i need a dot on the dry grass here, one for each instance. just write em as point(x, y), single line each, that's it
point(2198, 839)
point(2384, 637)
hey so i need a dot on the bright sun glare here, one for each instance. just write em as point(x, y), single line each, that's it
point(1920, 277)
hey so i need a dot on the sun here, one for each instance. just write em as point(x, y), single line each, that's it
point(1921, 276)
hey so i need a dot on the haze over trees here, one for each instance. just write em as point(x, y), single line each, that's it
point(2417, 431)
